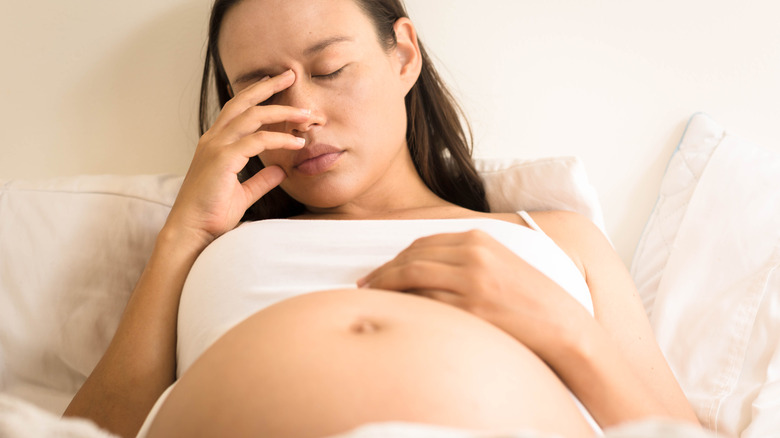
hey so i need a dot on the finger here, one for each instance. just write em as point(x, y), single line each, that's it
point(258, 142)
point(455, 255)
point(443, 296)
point(450, 255)
point(254, 94)
point(255, 117)
point(262, 90)
point(474, 247)
point(262, 182)
point(417, 275)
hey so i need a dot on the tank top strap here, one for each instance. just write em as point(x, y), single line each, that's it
point(527, 218)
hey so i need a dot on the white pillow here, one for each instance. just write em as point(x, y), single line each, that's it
point(71, 250)
point(559, 183)
point(708, 269)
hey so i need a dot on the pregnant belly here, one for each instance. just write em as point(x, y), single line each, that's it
point(326, 362)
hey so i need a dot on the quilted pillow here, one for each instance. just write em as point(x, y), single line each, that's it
point(708, 269)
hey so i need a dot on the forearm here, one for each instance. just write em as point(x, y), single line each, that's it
point(140, 362)
point(600, 375)
point(641, 354)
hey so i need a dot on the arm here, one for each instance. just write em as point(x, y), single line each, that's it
point(620, 351)
point(140, 362)
point(611, 362)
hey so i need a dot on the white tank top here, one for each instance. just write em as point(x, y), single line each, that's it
point(264, 262)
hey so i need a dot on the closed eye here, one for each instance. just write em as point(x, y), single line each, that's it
point(328, 76)
point(333, 75)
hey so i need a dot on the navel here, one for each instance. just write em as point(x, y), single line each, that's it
point(364, 325)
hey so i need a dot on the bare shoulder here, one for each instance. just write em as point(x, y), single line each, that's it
point(562, 221)
point(576, 235)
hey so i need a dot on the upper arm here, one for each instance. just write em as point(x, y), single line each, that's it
point(616, 302)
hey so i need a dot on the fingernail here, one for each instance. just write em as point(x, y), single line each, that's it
point(287, 73)
point(265, 78)
point(300, 140)
point(306, 111)
point(361, 283)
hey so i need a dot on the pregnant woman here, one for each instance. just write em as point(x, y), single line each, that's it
point(331, 261)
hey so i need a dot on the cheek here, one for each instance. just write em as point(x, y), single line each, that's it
point(271, 158)
point(373, 107)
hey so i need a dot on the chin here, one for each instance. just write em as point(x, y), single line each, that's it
point(320, 198)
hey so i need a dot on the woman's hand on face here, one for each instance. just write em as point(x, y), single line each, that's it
point(478, 274)
point(211, 200)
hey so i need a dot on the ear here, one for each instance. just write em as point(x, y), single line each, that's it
point(407, 52)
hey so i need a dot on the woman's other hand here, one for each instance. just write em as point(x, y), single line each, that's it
point(212, 200)
point(478, 274)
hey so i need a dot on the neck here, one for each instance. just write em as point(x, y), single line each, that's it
point(398, 204)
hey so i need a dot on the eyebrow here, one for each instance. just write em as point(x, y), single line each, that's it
point(310, 51)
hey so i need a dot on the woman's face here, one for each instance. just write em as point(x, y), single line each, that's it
point(356, 138)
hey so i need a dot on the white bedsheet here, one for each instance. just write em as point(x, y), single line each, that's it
point(20, 419)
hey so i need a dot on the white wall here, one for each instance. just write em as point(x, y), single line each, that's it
point(91, 86)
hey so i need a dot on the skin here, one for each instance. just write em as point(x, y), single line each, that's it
point(611, 363)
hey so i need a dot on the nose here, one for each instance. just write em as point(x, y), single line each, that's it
point(301, 94)
point(315, 120)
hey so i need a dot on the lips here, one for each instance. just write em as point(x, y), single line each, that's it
point(316, 158)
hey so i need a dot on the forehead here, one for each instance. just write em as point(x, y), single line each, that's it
point(274, 29)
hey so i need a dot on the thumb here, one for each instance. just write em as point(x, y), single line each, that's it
point(263, 182)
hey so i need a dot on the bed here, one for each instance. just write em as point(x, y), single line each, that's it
point(690, 200)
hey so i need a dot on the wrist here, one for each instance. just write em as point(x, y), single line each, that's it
point(180, 239)
point(577, 341)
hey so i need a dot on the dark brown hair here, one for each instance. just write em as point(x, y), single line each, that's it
point(439, 145)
